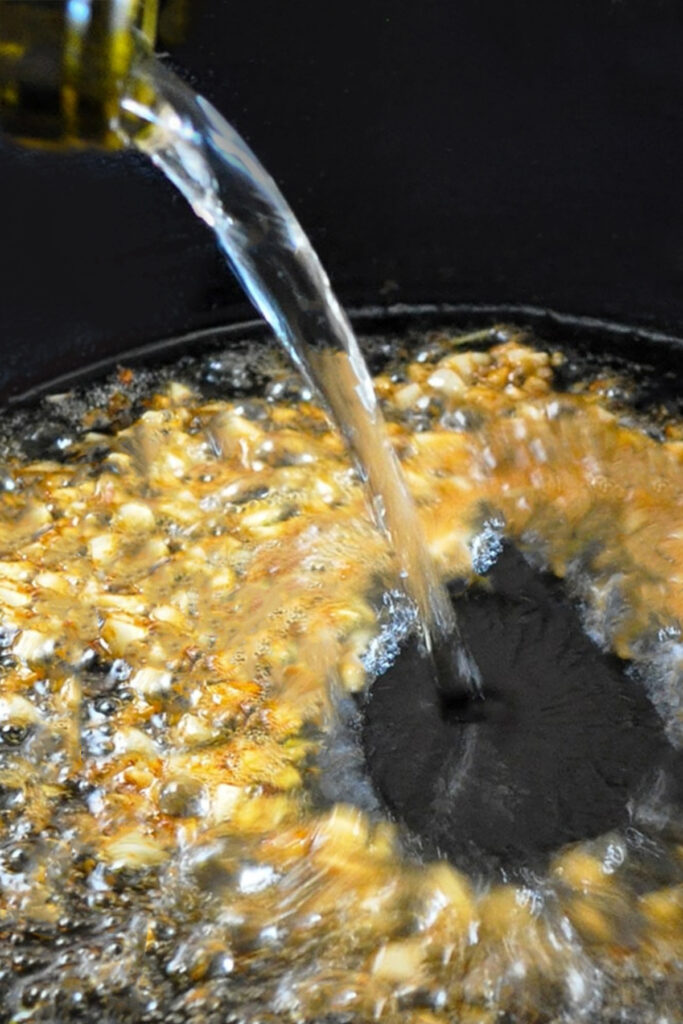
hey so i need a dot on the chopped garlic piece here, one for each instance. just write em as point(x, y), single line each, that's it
point(134, 517)
point(19, 571)
point(134, 741)
point(103, 548)
point(193, 731)
point(151, 681)
point(224, 801)
point(167, 613)
point(407, 396)
point(14, 708)
point(447, 381)
point(33, 646)
point(133, 850)
point(14, 598)
point(399, 961)
point(52, 581)
point(127, 603)
point(120, 633)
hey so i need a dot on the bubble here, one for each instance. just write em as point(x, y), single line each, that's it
point(256, 877)
point(106, 705)
point(183, 798)
point(487, 545)
point(12, 735)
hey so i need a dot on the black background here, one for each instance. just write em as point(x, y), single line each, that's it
point(497, 151)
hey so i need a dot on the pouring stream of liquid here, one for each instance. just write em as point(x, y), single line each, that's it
point(271, 256)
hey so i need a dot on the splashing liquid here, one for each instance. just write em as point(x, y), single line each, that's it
point(271, 256)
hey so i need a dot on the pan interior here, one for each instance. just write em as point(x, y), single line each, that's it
point(195, 609)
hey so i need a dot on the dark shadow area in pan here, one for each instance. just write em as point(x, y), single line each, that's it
point(562, 741)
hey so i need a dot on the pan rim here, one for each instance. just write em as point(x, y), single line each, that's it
point(632, 342)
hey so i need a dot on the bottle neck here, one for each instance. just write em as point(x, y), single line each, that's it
point(63, 65)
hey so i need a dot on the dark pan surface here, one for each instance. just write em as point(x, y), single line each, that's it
point(560, 741)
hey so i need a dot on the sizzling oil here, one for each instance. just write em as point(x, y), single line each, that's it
point(189, 587)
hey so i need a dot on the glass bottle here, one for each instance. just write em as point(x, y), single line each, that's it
point(63, 64)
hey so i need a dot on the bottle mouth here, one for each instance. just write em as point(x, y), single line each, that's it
point(558, 748)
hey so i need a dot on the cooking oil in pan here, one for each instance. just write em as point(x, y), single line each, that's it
point(195, 605)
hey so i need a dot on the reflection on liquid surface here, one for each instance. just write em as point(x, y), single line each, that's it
point(191, 589)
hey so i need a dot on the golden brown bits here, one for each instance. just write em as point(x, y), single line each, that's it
point(582, 871)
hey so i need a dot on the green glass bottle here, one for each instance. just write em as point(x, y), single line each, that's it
point(63, 64)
